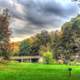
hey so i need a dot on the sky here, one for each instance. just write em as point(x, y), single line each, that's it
point(29, 17)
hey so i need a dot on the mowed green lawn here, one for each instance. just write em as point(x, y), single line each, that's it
point(29, 71)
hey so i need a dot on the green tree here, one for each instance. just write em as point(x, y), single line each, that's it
point(43, 37)
point(56, 43)
point(40, 39)
point(67, 41)
point(25, 48)
point(35, 45)
point(71, 38)
point(46, 54)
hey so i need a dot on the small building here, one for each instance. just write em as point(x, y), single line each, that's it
point(33, 59)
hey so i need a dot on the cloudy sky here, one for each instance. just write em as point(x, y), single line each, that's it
point(31, 16)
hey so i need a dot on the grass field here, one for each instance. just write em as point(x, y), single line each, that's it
point(28, 71)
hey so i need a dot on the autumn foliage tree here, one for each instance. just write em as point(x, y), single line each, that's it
point(4, 33)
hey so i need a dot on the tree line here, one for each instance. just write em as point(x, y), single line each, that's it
point(61, 44)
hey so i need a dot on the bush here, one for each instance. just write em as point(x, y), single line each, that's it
point(47, 57)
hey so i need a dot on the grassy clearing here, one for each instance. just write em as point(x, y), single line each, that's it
point(28, 71)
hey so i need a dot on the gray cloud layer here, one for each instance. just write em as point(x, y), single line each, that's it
point(35, 15)
point(46, 12)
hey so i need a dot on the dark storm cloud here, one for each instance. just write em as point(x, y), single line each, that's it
point(47, 12)
point(12, 5)
point(38, 14)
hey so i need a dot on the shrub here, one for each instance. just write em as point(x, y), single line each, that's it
point(47, 57)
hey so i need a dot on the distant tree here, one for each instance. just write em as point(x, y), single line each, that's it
point(38, 40)
point(4, 33)
point(56, 43)
point(43, 37)
point(46, 54)
point(47, 57)
point(14, 48)
point(25, 48)
point(35, 49)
